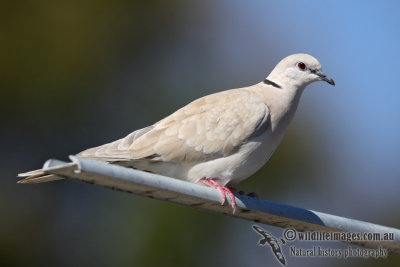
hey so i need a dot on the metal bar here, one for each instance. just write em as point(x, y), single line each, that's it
point(206, 198)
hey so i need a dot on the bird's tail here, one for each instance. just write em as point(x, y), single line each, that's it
point(37, 176)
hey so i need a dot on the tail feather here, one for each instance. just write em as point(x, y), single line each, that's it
point(37, 176)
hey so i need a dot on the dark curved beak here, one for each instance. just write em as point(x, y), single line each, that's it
point(325, 78)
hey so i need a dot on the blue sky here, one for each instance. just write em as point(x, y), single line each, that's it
point(358, 45)
point(358, 119)
point(108, 70)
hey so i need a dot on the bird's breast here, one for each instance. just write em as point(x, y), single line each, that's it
point(235, 168)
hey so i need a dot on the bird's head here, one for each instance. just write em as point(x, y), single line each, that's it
point(298, 70)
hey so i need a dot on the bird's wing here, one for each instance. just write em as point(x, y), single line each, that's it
point(210, 127)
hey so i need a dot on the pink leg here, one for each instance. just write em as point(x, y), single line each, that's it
point(222, 189)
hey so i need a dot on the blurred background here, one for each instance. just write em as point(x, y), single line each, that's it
point(77, 74)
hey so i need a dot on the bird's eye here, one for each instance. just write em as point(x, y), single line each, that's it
point(301, 65)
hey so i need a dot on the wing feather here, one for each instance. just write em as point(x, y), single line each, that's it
point(210, 127)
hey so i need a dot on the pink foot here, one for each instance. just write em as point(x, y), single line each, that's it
point(222, 189)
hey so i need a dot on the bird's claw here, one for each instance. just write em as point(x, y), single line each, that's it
point(222, 189)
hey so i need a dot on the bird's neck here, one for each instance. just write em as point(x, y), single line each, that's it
point(282, 103)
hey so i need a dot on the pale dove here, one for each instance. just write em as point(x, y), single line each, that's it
point(219, 139)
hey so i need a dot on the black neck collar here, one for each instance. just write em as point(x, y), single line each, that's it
point(269, 82)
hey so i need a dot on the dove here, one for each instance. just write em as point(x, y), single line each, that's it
point(217, 140)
